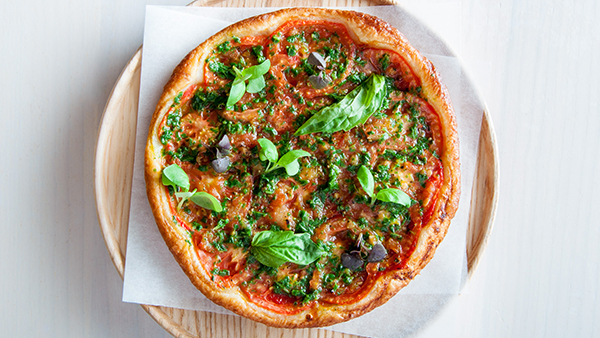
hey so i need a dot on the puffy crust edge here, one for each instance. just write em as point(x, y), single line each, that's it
point(365, 29)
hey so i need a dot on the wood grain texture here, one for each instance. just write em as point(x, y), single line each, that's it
point(114, 160)
point(484, 198)
point(113, 177)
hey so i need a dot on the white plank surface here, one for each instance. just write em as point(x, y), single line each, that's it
point(535, 62)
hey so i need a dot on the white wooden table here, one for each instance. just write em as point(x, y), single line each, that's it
point(536, 63)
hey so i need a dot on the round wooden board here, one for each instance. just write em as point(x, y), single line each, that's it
point(114, 172)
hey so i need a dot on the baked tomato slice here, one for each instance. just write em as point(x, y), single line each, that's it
point(227, 268)
point(260, 291)
point(390, 64)
point(341, 285)
point(291, 46)
point(360, 287)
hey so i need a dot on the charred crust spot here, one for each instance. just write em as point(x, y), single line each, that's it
point(428, 253)
point(309, 317)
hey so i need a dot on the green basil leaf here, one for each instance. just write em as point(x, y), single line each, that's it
point(166, 181)
point(394, 195)
point(271, 238)
point(268, 151)
point(292, 168)
point(175, 176)
point(290, 161)
point(238, 88)
point(255, 84)
point(354, 109)
point(264, 256)
point(366, 180)
point(184, 197)
point(273, 248)
point(258, 70)
point(312, 252)
point(207, 201)
point(238, 73)
point(185, 194)
point(292, 156)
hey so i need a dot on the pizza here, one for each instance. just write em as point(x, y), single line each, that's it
point(302, 165)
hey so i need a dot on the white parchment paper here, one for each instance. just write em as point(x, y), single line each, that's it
point(152, 276)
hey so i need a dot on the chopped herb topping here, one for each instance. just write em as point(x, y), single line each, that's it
point(327, 160)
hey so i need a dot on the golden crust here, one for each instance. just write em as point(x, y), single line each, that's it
point(365, 29)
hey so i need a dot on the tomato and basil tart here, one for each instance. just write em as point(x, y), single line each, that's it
point(302, 165)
